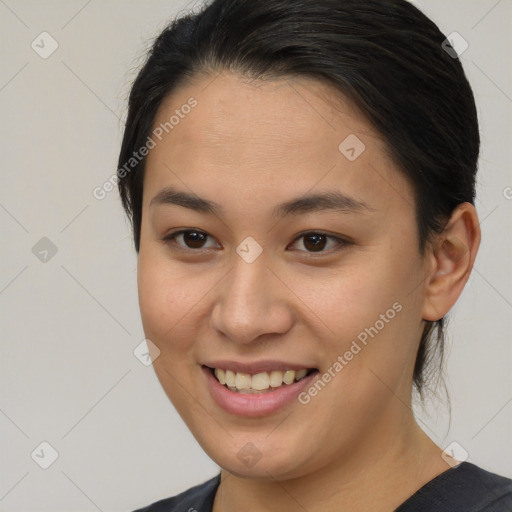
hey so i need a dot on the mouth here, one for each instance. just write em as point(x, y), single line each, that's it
point(261, 382)
point(236, 393)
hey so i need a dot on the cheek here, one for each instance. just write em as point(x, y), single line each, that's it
point(164, 299)
point(356, 298)
point(371, 311)
point(173, 301)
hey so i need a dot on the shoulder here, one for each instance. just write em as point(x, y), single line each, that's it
point(196, 499)
point(463, 488)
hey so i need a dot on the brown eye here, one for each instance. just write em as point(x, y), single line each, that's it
point(194, 239)
point(191, 239)
point(316, 242)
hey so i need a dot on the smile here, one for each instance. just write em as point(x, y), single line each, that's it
point(261, 382)
point(249, 402)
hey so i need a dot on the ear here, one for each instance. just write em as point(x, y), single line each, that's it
point(450, 261)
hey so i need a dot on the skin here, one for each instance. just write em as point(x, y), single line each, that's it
point(250, 146)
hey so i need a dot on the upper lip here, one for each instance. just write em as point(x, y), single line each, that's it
point(256, 366)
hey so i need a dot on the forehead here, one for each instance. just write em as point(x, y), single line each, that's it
point(282, 135)
point(294, 113)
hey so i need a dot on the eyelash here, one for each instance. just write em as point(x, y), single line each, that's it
point(170, 238)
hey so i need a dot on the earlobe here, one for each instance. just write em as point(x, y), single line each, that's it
point(452, 257)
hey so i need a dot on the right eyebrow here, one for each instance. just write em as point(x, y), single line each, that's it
point(171, 196)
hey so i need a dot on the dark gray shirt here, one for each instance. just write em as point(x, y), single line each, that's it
point(464, 488)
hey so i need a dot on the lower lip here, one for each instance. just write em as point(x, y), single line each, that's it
point(255, 404)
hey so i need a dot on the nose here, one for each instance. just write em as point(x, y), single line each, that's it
point(252, 302)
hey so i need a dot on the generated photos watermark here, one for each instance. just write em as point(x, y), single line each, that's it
point(100, 192)
point(355, 348)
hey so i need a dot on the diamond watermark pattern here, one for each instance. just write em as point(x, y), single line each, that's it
point(455, 45)
point(146, 352)
point(249, 249)
point(249, 454)
point(44, 455)
point(44, 250)
point(454, 454)
point(351, 147)
point(44, 45)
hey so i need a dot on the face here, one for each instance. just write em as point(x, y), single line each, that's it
point(325, 285)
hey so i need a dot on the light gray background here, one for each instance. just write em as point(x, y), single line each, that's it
point(70, 325)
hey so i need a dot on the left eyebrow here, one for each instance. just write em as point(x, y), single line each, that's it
point(330, 200)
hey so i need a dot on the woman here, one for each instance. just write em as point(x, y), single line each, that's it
point(300, 178)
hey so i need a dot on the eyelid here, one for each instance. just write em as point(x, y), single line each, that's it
point(170, 237)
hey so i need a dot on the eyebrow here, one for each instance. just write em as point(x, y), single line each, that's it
point(330, 200)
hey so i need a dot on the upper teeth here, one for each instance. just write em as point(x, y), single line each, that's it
point(259, 381)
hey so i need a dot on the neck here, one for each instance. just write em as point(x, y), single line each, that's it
point(385, 469)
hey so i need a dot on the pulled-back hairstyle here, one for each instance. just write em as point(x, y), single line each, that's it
point(385, 56)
